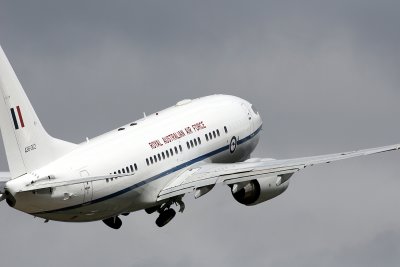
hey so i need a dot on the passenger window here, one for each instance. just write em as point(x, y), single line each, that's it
point(123, 170)
point(135, 166)
point(127, 169)
point(167, 153)
point(119, 171)
point(226, 130)
point(147, 162)
point(115, 172)
point(188, 146)
point(206, 137)
point(163, 155)
point(195, 142)
point(199, 140)
point(217, 132)
point(159, 157)
point(151, 160)
point(214, 134)
point(155, 158)
point(176, 150)
point(191, 143)
point(209, 134)
point(172, 152)
point(180, 148)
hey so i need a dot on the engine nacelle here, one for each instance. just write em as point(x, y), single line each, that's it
point(260, 190)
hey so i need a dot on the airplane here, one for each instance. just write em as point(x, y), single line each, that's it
point(148, 164)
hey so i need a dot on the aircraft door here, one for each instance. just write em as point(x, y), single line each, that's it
point(87, 187)
point(179, 157)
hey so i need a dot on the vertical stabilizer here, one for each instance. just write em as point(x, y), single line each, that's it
point(27, 144)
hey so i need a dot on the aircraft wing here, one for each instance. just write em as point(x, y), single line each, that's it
point(202, 178)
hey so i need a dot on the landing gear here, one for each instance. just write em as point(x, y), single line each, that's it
point(166, 212)
point(164, 209)
point(113, 222)
point(152, 209)
point(165, 217)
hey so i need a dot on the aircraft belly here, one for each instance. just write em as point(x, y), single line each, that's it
point(127, 202)
point(131, 201)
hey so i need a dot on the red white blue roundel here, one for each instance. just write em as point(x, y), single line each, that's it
point(233, 144)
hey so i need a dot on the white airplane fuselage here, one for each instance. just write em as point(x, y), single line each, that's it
point(144, 157)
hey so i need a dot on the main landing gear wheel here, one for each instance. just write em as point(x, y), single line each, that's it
point(113, 222)
point(165, 217)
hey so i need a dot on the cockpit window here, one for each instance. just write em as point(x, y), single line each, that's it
point(254, 109)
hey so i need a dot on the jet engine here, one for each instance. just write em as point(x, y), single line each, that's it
point(251, 193)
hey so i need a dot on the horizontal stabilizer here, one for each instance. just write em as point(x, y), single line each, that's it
point(50, 181)
point(4, 178)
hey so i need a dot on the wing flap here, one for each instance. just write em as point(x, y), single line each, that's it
point(199, 179)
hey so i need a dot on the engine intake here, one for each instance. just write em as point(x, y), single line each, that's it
point(260, 190)
point(10, 199)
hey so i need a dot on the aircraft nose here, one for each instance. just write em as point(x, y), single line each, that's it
point(259, 120)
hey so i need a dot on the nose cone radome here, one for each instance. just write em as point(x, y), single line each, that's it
point(258, 120)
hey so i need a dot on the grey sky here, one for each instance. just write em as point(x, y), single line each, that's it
point(323, 74)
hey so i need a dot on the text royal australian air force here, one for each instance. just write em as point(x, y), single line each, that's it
point(196, 127)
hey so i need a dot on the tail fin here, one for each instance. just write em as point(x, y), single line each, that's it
point(27, 144)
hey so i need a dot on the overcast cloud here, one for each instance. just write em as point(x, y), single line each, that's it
point(323, 74)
